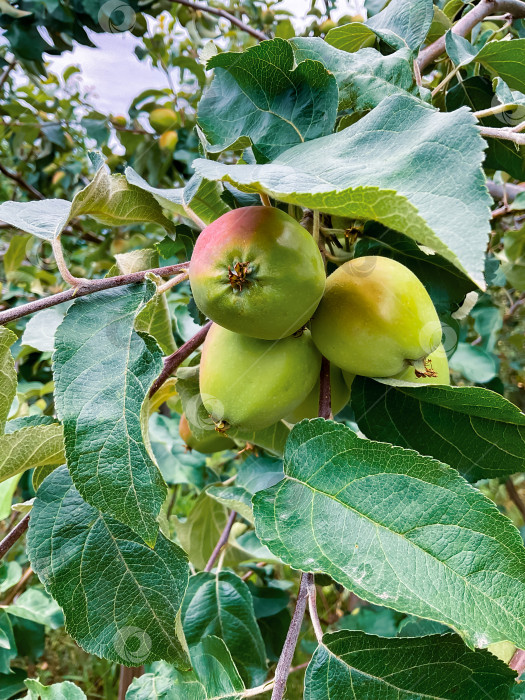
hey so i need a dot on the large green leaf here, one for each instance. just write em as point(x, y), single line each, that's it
point(103, 370)
point(260, 98)
point(398, 529)
point(354, 665)
point(363, 78)
point(40, 445)
point(201, 196)
point(506, 59)
point(220, 604)
point(8, 380)
point(412, 168)
point(402, 24)
point(474, 430)
point(213, 677)
point(121, 598)
point(108, 198)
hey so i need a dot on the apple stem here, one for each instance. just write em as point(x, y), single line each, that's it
point(325, 397)
point(265, 199)
point(423, 367)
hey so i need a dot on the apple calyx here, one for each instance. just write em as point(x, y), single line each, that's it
point(221, 426)
point(423, 367)
point(238, 276)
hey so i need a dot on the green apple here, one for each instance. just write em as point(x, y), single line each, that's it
point(339, 394)
point(250, 383)
point(437, 365)
point(163, 118)
point(214, 442)
point(375, 317)
point(256, 271)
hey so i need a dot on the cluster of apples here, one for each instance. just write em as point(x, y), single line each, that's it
point(260, 277)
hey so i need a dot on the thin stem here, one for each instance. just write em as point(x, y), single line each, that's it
point(464, 26)
point(225, 15)
point(517, 663)
point(12, 537)
point(325, 398)
point(500, 192)
point(498, 109)
point(519, 127)
point(5, 74)
point(16, 590)
point(316, 227)
point(446, 80)
point(223, 539)
point(87, 287)
point(172, 362)
point(312, 608)
point(506, 133)
point(62, 265)
point(21, 182)
point(515, 497)
point(265, 199)
point(268, 685)
point(189, 211)
point(285, 660)
point(127, 674)
point(172, 283)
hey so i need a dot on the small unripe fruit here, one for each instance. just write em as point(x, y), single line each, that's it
point(162, 119)
point(214, 442)
point(119, 120)
point(250, 383)
point(437, 364)
point(339, 396)
point(168, 140)
point(375, 317)
point(256, 271)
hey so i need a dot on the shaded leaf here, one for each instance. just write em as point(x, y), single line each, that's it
point(506, 59)
point(220, 604)
point(58, 691)
point(121, 599)
point(363, 78)
point(398, 529)
point(8, 379)
point(354, 665)
point(474, 430)
point(31, 447)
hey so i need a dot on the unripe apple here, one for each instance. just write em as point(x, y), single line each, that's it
point(251, 383)
point(256, 271)
point(339, 396)
point(214, 442)
point(375, 317)
point(168, 140)
point(162, 119)
point(437, 365)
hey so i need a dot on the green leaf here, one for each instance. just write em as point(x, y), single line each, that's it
point(506, 59)
point(40, 330)
point(404, 164)
point(110, 199)
point(260, 98)
point(363, 78)
point(200, 195)
point(220, 604)
point(15, 254)
point(31, 447)
point(460, 50)
point(8, 650)
point(154, 319)
point(394, 527)
point(121, 599)
point(352, 665)
point(37, 606)
point(474, 430)
point(402, 24)
point(213, 677)
point(8, 379)
point(255, 474)
point(58, 691)
point(103, 371)
point(351, 37)
point(475, 364)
